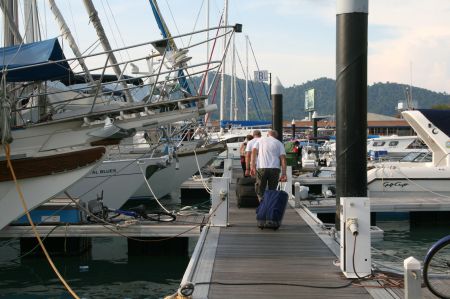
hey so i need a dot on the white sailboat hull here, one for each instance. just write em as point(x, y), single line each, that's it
point(116, 180)
point(36, 191)
point(169, 179)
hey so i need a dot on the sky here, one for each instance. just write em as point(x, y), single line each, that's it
point(409, 40)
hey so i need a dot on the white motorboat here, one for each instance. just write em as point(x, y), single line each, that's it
point(421, 178)
point(418, 174)
point(233, 138)
point(394, 146)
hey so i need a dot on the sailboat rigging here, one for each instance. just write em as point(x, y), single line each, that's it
point(47, 114)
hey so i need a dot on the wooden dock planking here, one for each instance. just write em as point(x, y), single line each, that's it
point(293, 254)
point(189, 226)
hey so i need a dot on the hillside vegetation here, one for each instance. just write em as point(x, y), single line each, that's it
point(382, 98)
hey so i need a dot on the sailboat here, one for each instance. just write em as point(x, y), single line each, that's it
point(169, 178)
point(49, 132)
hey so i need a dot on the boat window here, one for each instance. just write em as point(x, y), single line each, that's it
point(417, 143)
point(424, 157)
point(241, 139)
point(409, 157)
point(232, 140)
point(417, 157)
point(378, 143)
point(393, 143)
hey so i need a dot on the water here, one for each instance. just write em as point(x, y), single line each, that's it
point(106, 272)
point(402, 241)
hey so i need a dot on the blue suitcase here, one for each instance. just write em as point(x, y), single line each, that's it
point(270, 211)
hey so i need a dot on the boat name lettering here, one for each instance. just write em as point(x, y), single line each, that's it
point(103, 171)
point(395, 184)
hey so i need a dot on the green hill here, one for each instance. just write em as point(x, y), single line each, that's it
point(382, 98)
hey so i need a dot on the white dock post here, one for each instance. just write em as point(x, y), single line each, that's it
point(228, 169)
point(219, 198)
point(297, 194)
point(289, 181)
point(413, 279)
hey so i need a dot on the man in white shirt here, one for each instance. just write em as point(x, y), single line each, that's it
point(248, 150)
point(268, 155)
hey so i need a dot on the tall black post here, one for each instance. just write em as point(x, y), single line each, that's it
point(277, 105)
point(351, 100)
point(315, 135)
point(293, 129)
point(315, 120)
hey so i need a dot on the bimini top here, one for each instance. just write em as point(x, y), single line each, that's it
point(439, 118)
point(34, 61)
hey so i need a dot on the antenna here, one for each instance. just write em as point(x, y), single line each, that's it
point(409, 101)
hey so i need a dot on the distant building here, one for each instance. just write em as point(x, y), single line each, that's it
point(377, 124)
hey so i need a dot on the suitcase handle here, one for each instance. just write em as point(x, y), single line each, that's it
point(282, 186)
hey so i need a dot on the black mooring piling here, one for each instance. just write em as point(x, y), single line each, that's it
point(277, 104)
point(351, 99)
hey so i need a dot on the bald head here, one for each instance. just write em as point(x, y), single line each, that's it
point(272, 133)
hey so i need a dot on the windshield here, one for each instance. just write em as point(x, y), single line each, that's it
point(417, 157)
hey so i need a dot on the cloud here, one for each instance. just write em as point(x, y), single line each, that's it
point(416, 38)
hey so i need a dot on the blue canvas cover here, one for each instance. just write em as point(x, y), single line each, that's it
point(31, 56)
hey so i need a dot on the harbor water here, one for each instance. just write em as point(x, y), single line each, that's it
point(108, 272)
point(401, 240)
point(105, 272)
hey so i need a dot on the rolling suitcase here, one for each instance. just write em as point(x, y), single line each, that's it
point(270, 212)
point(245, 192)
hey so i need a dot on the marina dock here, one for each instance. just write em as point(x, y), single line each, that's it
point(387, 204)
point(297, 260)
point(243, 261)
point(236, 259)
point(187, 226)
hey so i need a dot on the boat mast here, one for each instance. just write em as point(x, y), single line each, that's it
point(32, 33)
point(11, 37)
point(166, 34)
point(246, 77)
point(10, 20)
point(222, 86)
point(234, 78)
point(93, 17)
point(207, 50)
point(231, 83)
point(65, 31)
